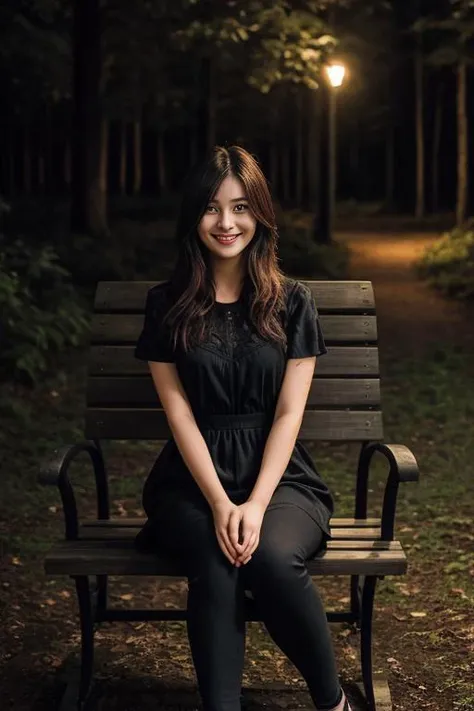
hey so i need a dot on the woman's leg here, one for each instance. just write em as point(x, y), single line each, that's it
point(288, 601)
point(216, 620)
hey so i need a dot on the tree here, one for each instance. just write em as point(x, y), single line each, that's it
point(88, 205)
point(454, 33)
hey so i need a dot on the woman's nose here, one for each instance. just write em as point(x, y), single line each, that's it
point(225, 221)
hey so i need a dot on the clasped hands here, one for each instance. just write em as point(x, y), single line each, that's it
point(238, 529)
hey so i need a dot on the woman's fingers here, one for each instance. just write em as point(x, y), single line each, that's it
point(248, 544)
point(233, 530)
point(247, 535)
point(225, 545)
point(252, 544)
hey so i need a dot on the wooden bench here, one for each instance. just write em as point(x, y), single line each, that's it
point(343, 406)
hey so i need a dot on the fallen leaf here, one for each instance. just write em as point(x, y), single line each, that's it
point(461, 592)
point(50, 602)
point(418, 614)
point(126, 596)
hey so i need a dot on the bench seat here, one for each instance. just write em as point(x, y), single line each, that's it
point(106, 548)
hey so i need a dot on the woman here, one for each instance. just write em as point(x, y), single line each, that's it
point(231, 344)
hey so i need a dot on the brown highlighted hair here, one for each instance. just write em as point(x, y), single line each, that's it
point(192, 288)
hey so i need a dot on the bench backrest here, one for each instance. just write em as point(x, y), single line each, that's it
point(343, 403)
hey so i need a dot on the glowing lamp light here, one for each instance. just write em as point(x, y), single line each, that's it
point(335, 73)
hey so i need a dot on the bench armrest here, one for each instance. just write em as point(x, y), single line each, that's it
point(403, 467)
point(55, 472)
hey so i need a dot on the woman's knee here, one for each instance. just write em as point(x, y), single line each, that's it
point(208, 571)
point(276, 559)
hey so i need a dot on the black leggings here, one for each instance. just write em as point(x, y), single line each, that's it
point(291, 607)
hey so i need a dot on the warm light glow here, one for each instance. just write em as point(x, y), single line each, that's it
point(335, 74)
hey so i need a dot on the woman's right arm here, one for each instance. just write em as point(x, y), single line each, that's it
point(192, 447)
point(189, 440)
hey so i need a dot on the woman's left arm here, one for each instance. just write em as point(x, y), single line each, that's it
point(286, 426)
point(278, 448)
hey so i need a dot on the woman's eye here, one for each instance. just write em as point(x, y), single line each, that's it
point(210, 207)
point(241, 205)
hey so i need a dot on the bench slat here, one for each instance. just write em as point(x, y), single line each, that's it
point(141, 392)
point(138, 423)
point(329, 295)
point(102, 533)
point(338, 361)
point(125, 328)
point(120, 558)
point(139, 522)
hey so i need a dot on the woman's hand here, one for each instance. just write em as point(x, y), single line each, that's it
point(226, 522)
point(251, 515)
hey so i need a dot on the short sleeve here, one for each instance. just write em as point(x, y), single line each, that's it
point(304, 333)
point(154, 342)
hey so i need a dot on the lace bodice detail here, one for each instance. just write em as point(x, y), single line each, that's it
point(231, 332)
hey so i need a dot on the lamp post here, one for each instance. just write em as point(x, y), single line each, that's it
point(334, 78)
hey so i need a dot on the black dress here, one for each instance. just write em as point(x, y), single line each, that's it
point(232, 381)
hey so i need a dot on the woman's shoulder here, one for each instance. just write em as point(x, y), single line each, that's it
point(296, 291)
point(160, 288)
point(160, 293)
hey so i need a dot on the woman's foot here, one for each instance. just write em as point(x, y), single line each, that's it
point(343, 705)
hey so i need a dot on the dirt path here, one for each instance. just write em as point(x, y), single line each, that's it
point(412, 317)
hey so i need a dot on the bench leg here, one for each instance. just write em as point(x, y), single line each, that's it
point(355, 599)
point(101, 591)
point(87, 639)
point(368, 593)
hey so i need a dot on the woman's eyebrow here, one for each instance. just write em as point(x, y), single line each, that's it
point(235, 199)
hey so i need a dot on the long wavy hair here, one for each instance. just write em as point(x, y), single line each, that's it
point(192, 288)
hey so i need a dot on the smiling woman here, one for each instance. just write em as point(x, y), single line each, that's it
point(233, 493)
point(226, 228)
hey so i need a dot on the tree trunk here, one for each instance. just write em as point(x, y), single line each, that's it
point(67, 164)
point(274, 165)
point(437, 128)
point(104, 160)
point(137, 157)
point(206, 106)
point(462, 188)
point(212, 106)
point(299, 149)
point(161, 165)
point(11, 162)
point(26, 160)
point(420, 142)
point(41, 171)
point(193, 144)
point(87, 207)
point(389, 166)
point(285, 172)
point(123, 158)
point(354, 160)
point(313, 152)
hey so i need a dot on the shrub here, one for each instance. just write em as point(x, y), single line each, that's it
point(448, 264)
point(302, 257)
point(40, 311)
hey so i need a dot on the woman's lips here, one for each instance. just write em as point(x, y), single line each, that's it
point(226, 239)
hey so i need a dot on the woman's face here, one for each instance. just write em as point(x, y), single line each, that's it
point(228, 215)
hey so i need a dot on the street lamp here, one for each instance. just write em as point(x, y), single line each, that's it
point(335, 76)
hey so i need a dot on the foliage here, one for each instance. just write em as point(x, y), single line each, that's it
point(449, 263)
point(35, 52)
point(302, 257)
point(41, 312)
point(453, 31)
